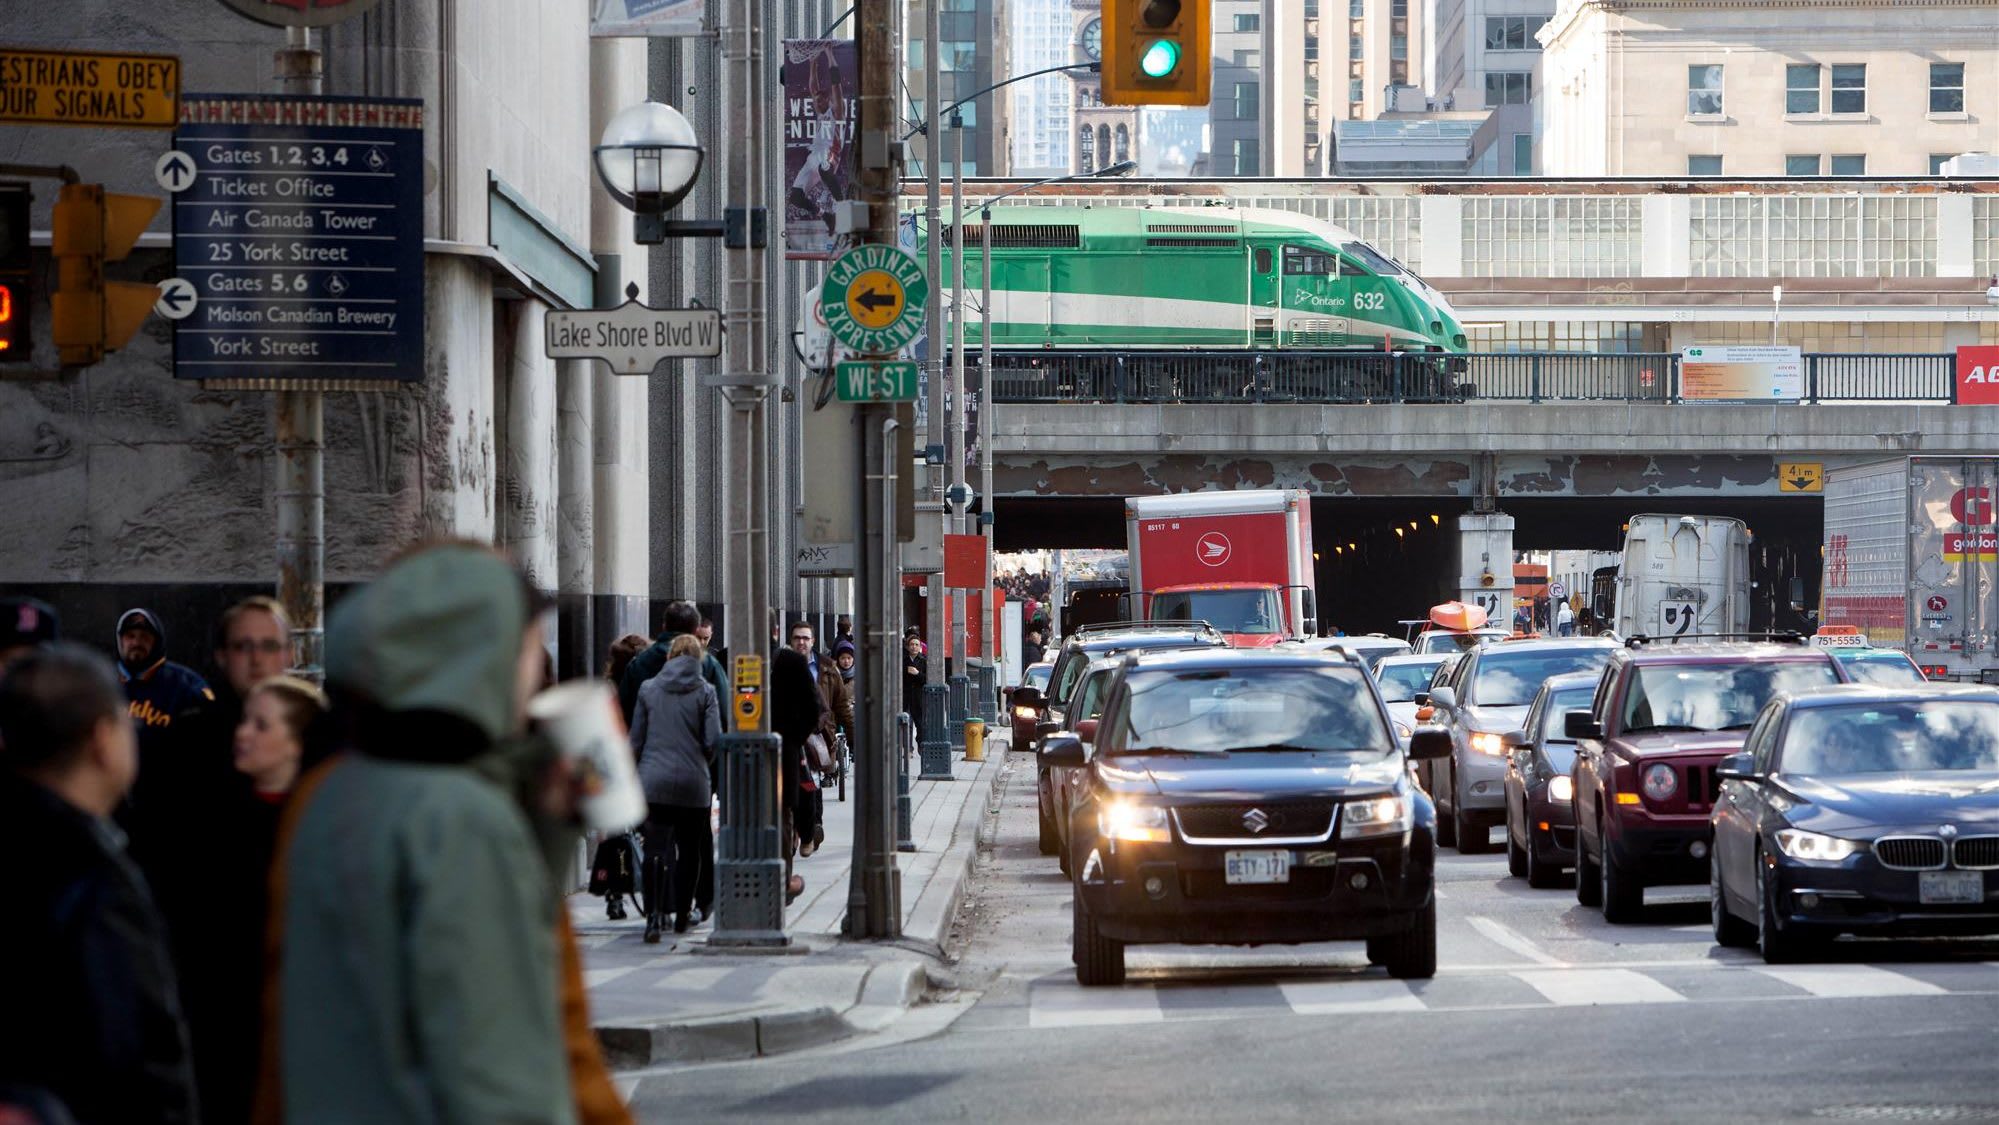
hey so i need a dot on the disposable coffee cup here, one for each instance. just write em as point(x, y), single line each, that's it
point(582, 719)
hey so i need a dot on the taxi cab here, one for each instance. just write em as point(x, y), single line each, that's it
point(1863, 662)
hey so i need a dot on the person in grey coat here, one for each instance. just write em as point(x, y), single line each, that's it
point(676, 726)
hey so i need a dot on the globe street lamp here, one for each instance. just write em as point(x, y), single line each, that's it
point(648, 160)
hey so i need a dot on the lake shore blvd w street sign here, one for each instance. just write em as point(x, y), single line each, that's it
point(865, 380)
point(632, 338)
point(873, 298)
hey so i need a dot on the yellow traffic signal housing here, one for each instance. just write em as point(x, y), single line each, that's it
point(1156, 52)
point(89, 315)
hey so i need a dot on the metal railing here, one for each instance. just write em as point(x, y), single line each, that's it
point(1206, 378)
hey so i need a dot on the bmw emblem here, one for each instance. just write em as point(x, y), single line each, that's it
point(1947, 831)
point(1255, 821)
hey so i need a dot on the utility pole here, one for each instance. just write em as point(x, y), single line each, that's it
point(301, 428)
point(748, 857)
point(987, 683)
point(955, 440)
point(936, 747)
point(874, 889)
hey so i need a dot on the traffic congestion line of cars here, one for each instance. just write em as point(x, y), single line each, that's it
point(1199, 793)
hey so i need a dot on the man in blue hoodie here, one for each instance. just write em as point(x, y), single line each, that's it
point(156, 688)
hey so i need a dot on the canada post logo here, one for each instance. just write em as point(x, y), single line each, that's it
point(1213, 548)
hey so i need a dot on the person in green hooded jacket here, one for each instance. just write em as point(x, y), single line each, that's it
point(418, 972)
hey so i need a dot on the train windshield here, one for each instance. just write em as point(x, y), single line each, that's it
point(1373, 259)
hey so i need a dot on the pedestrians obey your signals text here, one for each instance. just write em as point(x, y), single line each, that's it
point(1156, 52)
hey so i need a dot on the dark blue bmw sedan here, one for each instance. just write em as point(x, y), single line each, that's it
point(1860, 809)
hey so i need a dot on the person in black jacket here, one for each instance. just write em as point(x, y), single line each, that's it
point(93, 1010)
point(158, 688)
point(680, 617)
point(795, 707)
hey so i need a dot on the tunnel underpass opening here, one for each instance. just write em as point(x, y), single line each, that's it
point(1382, 560)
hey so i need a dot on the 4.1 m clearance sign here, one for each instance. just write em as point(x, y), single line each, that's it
point(88, 88)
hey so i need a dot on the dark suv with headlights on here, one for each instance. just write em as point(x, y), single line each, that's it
point(1866, 810)
point(1662, 718)
point(1485, 700)
point(1248, 797)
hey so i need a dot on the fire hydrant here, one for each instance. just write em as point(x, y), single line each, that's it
point(975, 740)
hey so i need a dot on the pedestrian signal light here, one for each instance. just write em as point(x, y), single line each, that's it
point(89, 315)
point(1156, 52)
point(16, 282)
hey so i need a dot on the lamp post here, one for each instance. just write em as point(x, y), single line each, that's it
point(649, 159)
point(988, 685)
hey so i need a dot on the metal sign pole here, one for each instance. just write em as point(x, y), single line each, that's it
point(988, 681)
point(956, 684)
point(301, 433)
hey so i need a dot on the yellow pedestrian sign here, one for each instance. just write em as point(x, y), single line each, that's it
point(1800, 476)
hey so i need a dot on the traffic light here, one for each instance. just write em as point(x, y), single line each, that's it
point(1155, 52)
point(89, 315)
point(16, 291)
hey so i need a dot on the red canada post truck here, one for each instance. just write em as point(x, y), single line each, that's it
point(1241, 561)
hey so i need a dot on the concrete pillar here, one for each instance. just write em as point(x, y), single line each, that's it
point(1666, 226)
point(1954, 242)
point(528, 478)
point(1485, 564)
point(1440, 219)
point(575, 539)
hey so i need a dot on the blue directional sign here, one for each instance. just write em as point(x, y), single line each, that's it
point(300, 227)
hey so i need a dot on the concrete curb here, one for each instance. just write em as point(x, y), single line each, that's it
point(885, 993)
point(930, 922)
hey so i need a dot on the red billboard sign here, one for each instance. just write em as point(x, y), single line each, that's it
point(1978, 375)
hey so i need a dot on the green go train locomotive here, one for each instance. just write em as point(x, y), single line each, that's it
point(1079, 279)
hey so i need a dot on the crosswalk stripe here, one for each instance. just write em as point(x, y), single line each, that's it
point(1847, 981)
point(593, 978)
point(697, 979)
point(1507, 937)
point(1311, 998)
point(1055, 1004)
point(1572, 987)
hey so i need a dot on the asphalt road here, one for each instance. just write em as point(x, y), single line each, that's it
point(1539, 1011)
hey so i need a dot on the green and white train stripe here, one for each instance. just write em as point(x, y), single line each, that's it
point(1073, 276)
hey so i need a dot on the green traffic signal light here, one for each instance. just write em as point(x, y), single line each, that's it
point(1160, 59)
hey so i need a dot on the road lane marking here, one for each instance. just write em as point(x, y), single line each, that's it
point(1313, 998)
point(698, 978)
point(593, 978)
point(1503, 935)
point(1576, 987)
point(1058, 1004)
point(1849, 981)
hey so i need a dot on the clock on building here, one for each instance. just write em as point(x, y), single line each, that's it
point(1090, 40)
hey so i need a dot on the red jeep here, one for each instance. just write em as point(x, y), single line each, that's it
point(1663, 715)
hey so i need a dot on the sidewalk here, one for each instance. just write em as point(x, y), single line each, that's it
point(683, 1001)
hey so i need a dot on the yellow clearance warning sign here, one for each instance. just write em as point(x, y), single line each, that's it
point(1800, 476)
point(84, 88)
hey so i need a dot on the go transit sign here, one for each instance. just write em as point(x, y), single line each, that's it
point(873, 299)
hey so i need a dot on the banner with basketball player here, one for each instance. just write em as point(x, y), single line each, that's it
point(822, 80)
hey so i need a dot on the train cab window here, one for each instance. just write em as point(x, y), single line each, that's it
point(1348, 269)
point(1299, 261)
point(1263, 259)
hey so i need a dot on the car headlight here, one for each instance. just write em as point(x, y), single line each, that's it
point(1661, 781)
point(1486, 743)
point(1023, 712)
point(1403, 732)
point(1131, 821)
point(1376, 816)
point(1561, 787)
point(1800, 844)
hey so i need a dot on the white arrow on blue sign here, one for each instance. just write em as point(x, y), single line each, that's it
point(174, 170)
point(177, 298)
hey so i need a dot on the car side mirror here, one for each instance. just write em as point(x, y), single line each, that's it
point(1046, 727)
point(1514, 739)
point(1062, 749)
point(1420, 699)
point(1087, 731)
point(1025, 696)
point(1444, 699)
point(1579, 725)
point(1736, 767)
point(1430, 742)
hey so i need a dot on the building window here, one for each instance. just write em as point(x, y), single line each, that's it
point(1245, 100)
point(1947, 87)
point(1356, 91)
point(1245, 156)
point(1311, 48)
point(1507, 88)
point(1251, 59)
point(1523, 154)
point(1512, 33)
point(1123, 144)
point(1251, 21)
point(1801, 88)
point(1849, 88)
point(1357, 9)
point(1398, 73)
point(1398, 9)
point(1703, 165)
point(1086, 149)
point(967, 115)
point(916, 54)
point(1104, 143)
point(1801, 165)
point(1704, 91)
point(1398, 46)
point(1356, 46)
point(1938, 160)
point(1849, 164)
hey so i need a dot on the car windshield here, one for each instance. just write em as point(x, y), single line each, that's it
point(1221, 709)
point(1708, 697)
point(1510, 679)
point(1881, 666)
point(1400, 682)
point(1892, 738)
point(1560, 703)
point(1231, 611)
point(1036, 676)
